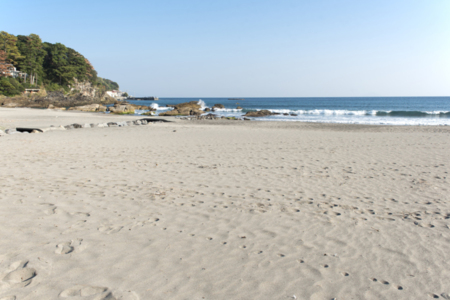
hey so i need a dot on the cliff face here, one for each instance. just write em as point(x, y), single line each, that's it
point(84, 88)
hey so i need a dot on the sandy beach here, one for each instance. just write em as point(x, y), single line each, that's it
point(222, 210)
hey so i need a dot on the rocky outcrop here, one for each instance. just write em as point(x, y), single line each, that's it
point(90, 108)
point(56, 99)
point(217, 106)
point(121, 109)
point(128, 108)
point(184, 109)
point(7, 103)
point(259, 113)
point(51, 106)
point(140, 107)
point(84, 88)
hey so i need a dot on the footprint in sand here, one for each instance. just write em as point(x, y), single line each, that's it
point(109, 229)
point(50, 209)
point(70, 247)
point(19, 275)
point(80, 224)
point(424, 225)
point(86, 291)
point(99, 293)
point(381, 281)
point(80, 214)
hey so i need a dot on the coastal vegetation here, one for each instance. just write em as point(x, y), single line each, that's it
point(28, 63)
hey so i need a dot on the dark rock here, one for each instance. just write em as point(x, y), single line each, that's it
point(294, 115)
point(238, 107)
point(207, 117)
point(218, 106)
point(77, 126)
point(260, 113)
point(207, 109)
point(285, 114)
point(122, 109)
point(112, 124)
point(184, 109)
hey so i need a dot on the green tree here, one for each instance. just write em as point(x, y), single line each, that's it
point(3, 67)
point(8, 43)
point(33, 57)
point(10, 87)
point(56, 63)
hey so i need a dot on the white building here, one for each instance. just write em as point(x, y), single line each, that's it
point(115, 94)
point(12, 71)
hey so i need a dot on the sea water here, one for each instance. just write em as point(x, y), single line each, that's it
point(349, 110)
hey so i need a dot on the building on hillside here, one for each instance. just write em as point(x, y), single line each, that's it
point(13, 72)
point(115, 94)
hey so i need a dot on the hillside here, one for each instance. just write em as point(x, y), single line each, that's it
point(27, 62)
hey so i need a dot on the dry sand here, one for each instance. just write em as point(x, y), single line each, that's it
point(223, 210)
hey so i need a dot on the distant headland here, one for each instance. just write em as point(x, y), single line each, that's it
point(30, 68)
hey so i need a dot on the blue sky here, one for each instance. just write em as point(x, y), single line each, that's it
point(245, 48)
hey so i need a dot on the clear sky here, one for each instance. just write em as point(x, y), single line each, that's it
point(245, 48)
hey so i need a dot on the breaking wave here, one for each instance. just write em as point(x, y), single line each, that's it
point(329, 112)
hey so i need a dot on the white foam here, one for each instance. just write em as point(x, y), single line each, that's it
point(363, 120)
point(227, 109)
point(437, 112)
point(202, 104)
point(157, 107)
point(327, 112)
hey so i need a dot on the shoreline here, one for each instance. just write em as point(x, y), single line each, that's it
point(45, 118)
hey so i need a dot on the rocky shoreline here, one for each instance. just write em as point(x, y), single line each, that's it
point(79, 102)
point(21, 130)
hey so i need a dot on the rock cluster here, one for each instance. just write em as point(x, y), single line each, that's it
point(122, 109)
point(203, 117)
point(80, 126)
point(118, 108)
point(88, 108)
point(213, 117)
point(259, 113)
point(184, 109)
point(55, 99)
point(109, 124)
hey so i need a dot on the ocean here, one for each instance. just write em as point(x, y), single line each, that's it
point(348, 110)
